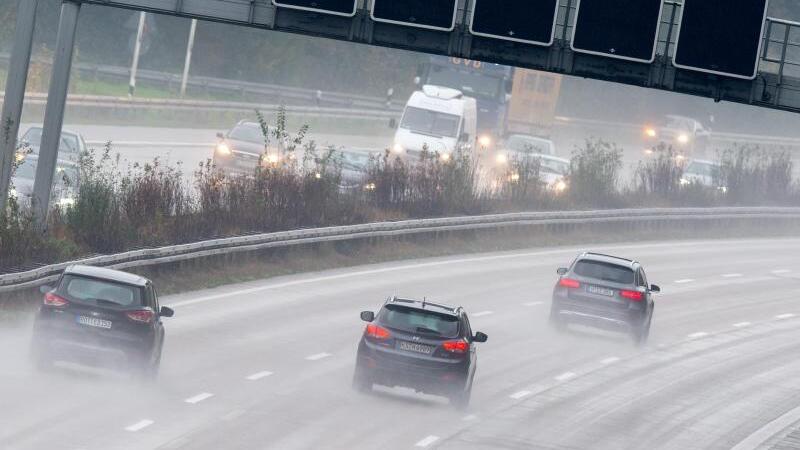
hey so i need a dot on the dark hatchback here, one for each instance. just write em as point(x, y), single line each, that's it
point(606, 292)
point(420, 345)
point(100, 316)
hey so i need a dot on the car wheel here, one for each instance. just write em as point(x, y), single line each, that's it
point(361, 381)
point(149, 369)
point(557, 322)
point(642, 333)
point(460, 400)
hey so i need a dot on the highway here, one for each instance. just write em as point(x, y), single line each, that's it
point(268, 364)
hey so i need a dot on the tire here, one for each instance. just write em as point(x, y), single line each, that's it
point(361, 381)
point(460, 400)
point(149, 369)
point(642, 333)
point(557, 322)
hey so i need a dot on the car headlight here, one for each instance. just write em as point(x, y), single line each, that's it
point(397, 148)
point(685, 181)
point(12, 193)
point(272, 159)
point(514, 177)
point(683, 138)
point(445, 157)
point(650, 132)
point(723, 189)
point(223, 149)
point(369, 187)
point(680, 158)
point(501, 159)
point(560, 186)
point(66, 202)
point(19, 156)
point(485, 141)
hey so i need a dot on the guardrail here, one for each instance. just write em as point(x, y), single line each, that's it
point(154, 256)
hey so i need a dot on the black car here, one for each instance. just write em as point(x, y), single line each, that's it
point(607, 292)
point(421, 345)
point(95, 315)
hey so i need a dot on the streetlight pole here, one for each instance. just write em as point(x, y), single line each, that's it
point(189, 48)
point(137, 48)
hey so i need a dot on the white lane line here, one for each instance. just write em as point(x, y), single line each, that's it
point(566, 376)
point(610, 360)
point(697, 335)
point(198, 398)
point(533, 304)
point(784, 316)
point(732, 275)
point(140, 425)
point(520, 394)
point(769, 430)
point(781, 271)
point(470, 418)
point(742, 324)
point(233, 415)
point(483, 313)
point(258, 375)
point(427, 441)
point(318, 356)
point(684, 281)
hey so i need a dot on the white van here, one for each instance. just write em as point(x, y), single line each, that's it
point(440, 118)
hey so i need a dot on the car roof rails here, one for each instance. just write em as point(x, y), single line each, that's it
point(608, 256)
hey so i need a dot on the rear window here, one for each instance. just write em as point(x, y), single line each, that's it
point(419, 321)
point(91, 290)
point(604, 271)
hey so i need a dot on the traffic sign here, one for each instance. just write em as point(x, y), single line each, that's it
point(337, 7)
point(430, 14)
point(527, 21)
point(722, 37)
point(622, 29)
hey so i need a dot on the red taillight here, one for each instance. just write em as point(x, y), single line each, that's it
point(51, 299)
point(569, 283)
point(635, 296)
point(143, 316)
point(377, 332)
point(456, 346)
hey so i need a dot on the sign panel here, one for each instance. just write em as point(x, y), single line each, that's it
point(622, 29)
point(337, 7)
point(722, 37)
point(430, 14)
point(527, 21)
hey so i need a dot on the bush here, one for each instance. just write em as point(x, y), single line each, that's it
point(753, 176)
point(594, 175)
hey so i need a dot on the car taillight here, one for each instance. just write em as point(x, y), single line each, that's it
point(51, 299)
point(377, 332)
point(456, 346)
point(143, 316)
point(569, 283)
point(635, 296)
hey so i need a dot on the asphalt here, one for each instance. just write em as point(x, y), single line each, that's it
point(268, 364)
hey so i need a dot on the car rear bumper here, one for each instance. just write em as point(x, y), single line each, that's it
point(617, 319)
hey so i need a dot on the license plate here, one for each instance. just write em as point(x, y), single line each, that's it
point(94, 322)
point(414, 347)
point(600, 291)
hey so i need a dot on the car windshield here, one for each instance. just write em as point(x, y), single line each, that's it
point(92, 290)
point(525, 144)
point(354, 161)
point(413, 320)
point(604, 271)
point(66, 175)
point(430, 122)
point(554, 166)
point(26, 170)
point(703, 169)
point(69, 142)
point(474, 84)
point(247, 132)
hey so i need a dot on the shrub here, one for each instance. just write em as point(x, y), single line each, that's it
point(594, 174)
point(753, 176)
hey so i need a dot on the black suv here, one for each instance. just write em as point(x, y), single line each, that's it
point(100, 315)
point(421, 345)
point(604, 291)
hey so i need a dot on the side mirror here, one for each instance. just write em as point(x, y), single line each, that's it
point(166, 312)
point(393, 123)
point(562, 271)
point(417, 81)
point(220, 136)
point(367, 316)
point(480, 337)
point(45, 289)
point(655, 288)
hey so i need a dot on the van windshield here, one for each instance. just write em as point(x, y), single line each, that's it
point(429, 122)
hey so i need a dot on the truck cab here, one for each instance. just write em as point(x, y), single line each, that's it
point(437, 119)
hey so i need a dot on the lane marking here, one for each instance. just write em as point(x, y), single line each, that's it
point(532, 304)
point(233, 415)
point(566, 376)
point(784, 316)
point(769, 430)
point(699, 334)
point(742, 324)
point(427, 441)
point(199, 398)
point(258, 375)
point(140, 425)
point(483, 313)
point(470, 417)
point(610, 360)
point(520, 394)
point(781, 271)
point(684, 281)
point(732, 275)
point(318, 356)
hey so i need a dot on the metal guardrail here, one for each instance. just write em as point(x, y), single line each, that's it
point(154, 256)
